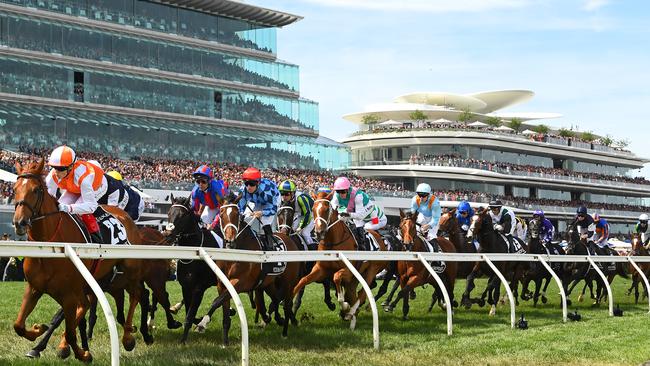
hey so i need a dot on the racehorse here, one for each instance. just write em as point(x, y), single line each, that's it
point(334, 234)
point(489, 242)
point(538, 273)
point(414, 274)
point(638, 249)
point(449, 224)
point(155, 278)
point(36, 213)
point(286, 213)
point(246, 277)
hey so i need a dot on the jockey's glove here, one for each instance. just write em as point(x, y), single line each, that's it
point(344, 214)
point(498, 227)
point(65, 208)
point(465, 227)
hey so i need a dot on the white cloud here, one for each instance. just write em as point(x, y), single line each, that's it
point(592, 5)
point(431, 6)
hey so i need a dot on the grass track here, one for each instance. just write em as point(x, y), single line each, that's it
point(325, 340)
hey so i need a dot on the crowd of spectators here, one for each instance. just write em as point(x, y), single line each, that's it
point(455, 160)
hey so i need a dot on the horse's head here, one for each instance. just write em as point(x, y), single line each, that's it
point(480, 222)
point(230, 220)
point(576, 243)
point(30, 195)
point(180, 218)
point(285, 216)
point(637, 245)
point(324, 214)
point(408, 228)
point(448, 222)
point(533, 228)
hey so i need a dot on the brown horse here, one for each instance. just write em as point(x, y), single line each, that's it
point(638, 249)
point(334, 234)
point(414, 274)
point(449, 224)
point(246, 277)
point(36, 213)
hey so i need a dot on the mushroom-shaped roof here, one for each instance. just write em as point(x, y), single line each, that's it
point(457, 101)
point(499, 99)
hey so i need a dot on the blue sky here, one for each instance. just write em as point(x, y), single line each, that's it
point(585, 59)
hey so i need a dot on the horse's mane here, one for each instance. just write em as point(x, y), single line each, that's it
point(35, 168)
point(184, 201)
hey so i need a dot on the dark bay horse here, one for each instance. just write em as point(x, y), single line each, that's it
point(36, 213)
point(449, 224)
point(286, 214)
point(414, 274)
point(334, 234)
point(638, 249)
point(246, 277)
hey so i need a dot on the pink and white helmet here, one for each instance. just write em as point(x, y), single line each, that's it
point(341, 183)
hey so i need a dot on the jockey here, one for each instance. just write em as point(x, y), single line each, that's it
point(207, 196)
point(354, 203)
point(303, 221)
point(546, 228)
point(264, 195)
point(641, 228)
point(115, 192)
point(428, 208)
point(521, 228)
point(601, 234)
point(503, 219)
point(135, 204)
point(464, 214)
point(584, 223)
point(81, 184)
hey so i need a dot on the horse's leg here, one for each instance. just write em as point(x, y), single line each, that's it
point(42, 344)
point(73, 313)
point(548, 279)
point(384, 286)
point(192, 308)
point(386, 302)
point(135, 295)
point(434, 300)
point(403, 280)
point(288, 311)
point(340, 291)
point(327, 286)
point(635, 284)
point(251, 298)
point(317, 274)
point(465, 300)
point(538, 285)
point(92, 316)
point(495, 293)
point(118, 295)
point(225, 322)
point(219, 301)
point(298, 300)
point(144, 314)
point(260, 308)
point(160, 295)
point(153, 307)
point(30, 299)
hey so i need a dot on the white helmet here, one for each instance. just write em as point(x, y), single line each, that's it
point(643, 217)
point(423, 188)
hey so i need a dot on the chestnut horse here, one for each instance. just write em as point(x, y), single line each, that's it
point(414, 274)
point(37, 214)
point(286, 213)
point(638, 249)
point(334, 234)
point(246, 277)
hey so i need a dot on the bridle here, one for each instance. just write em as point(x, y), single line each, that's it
point(285, 225)
point(238, 231)
point(330, 210)
point(40, 191)
point(171, 227)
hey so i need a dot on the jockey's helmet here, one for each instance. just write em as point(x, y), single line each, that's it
point(596, 217)
point(643, 218)
point(341, 184)
point(203, 171)
point(116, 175)
point(252, 174)
point(62, 157)
point(582, 210)
point(539, 213)
point(495, 204)
point(287, 186)
point(423, 188)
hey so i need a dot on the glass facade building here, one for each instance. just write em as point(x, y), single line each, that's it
point(135, 78)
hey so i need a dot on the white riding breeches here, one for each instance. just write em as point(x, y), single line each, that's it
point(433, 231)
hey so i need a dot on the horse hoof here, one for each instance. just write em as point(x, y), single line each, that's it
point(481, 302)
point(454, 304)
point(199, 329)
point(345, 306)
point(353, 322)
point(388, 309)
point(87, 357)
point(128, 342)
point(412, 295)
point(568, 302)
point(331, 306)
point(233, 312)
point(174, 325)
point(544, 300)
point(33, 354)
point(148, 340)
point(63, 353)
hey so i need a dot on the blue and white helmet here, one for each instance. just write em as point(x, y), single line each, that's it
point(423, 188)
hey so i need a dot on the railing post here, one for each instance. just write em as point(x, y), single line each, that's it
point(243, 323)
point(507, 286)
point(369, 295)
point(103, 302)
point(443, 288)
point(643, 276)
point(559, 284)
point(609, 289)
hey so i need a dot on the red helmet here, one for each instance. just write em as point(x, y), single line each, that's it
point(252, 174)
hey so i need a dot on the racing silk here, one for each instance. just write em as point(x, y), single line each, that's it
point(586, 226)
point(302, 209)
point(133, 204)
point(266, 196)
point(505, 218)
point(84, 179)
point(602, 231)
point(361, 207)
point(642, 231)
point(115, 195)
point(464, 222)
point(429, 208)
point(546, 231)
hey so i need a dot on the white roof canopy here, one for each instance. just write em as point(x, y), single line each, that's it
point(391, 122)
point(477, 124)
point(504, 128)
point(529, 132)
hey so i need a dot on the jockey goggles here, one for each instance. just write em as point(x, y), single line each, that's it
point(60, 168)
point(201, 180)
point(285, 193)
point(422, 194)
point(251, 183)
point(342, 191)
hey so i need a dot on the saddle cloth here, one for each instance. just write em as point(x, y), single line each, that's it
point(274, 268)
point(438, 266)
point(113, 231)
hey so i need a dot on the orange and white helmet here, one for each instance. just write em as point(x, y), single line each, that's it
point(62, 156)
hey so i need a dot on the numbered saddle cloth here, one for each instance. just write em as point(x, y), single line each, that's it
point(274, 268)
point(438, 266)
point(113, 231)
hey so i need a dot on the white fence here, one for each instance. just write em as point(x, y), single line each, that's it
point(75, 252)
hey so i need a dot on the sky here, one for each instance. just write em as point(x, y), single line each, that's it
point(585, 59)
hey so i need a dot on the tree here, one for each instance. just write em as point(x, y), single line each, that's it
point(607, 140)
point(516, 124)
point(465, 116)
point(566, 133)
point(370, 119)
point(493, 121)
point(418, 116)
point(588, 136)
point(541, 129)
point(623, 143)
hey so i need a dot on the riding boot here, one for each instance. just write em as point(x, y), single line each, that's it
point(436, 249)
point(268, 238)
point(96, 237)
point(360, 234)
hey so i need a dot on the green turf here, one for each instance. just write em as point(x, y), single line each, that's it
point(421, 340)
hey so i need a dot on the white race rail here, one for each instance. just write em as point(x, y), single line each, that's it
point(76, 251)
